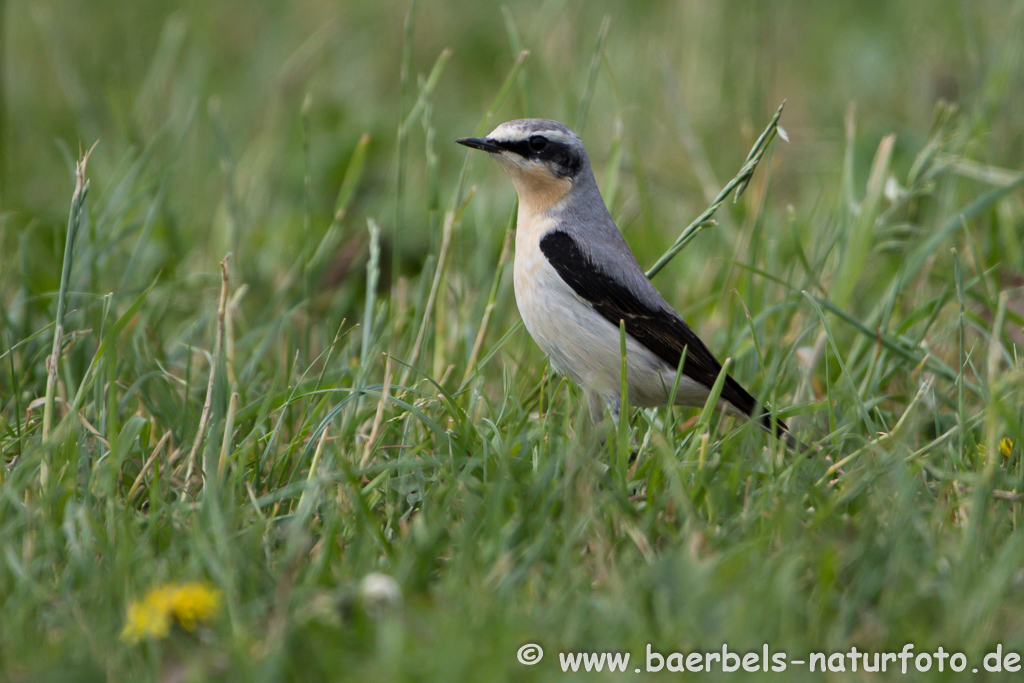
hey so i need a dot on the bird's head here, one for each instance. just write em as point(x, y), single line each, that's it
point(544, 158)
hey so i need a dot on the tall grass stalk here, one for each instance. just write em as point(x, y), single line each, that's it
point(862, 231)
point(738, 183)
point(53, 361)
point(215, 364)
point(372, 281)
point(478, 342)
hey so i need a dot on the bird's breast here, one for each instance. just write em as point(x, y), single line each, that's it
point(581, 343)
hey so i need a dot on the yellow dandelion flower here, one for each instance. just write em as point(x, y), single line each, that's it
point(149, 617)
point(194, 602)
point(186, 603)
point(1005, 447)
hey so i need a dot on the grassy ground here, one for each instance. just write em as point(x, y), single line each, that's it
point(357, 399)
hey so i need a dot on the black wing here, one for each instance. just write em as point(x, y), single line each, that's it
point(659, 329)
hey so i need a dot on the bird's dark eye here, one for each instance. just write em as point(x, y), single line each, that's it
point(538, 143)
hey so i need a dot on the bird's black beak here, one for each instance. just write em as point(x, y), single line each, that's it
point(479, 143)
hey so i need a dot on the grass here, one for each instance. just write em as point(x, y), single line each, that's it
point(346, 438)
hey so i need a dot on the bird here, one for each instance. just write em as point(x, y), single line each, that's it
point(576, 280)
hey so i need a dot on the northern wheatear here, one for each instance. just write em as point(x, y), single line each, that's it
point(575, 278)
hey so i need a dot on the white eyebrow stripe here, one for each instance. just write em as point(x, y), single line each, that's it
point(504, 133)
point(507, 133)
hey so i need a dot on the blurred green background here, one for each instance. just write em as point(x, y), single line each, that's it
point(204, 101)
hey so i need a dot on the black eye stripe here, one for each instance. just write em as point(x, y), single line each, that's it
point(561, 155)
point(523, 149)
